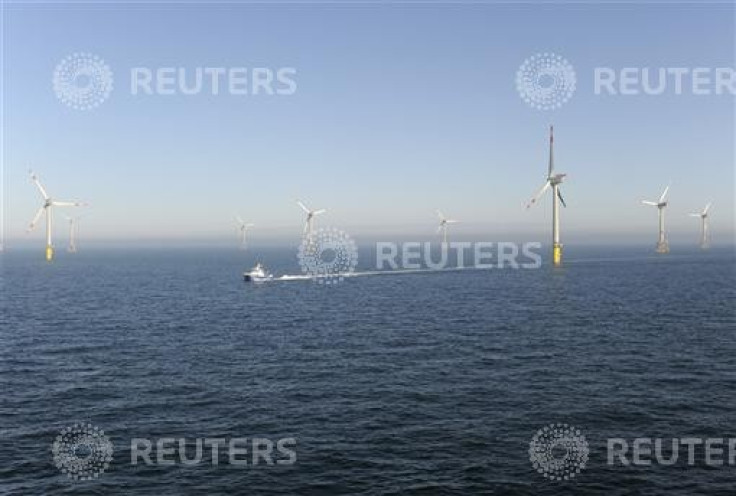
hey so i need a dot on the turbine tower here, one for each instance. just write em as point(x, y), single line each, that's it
point(47, 208)
point(243, 229)
point(662, 245)
point(704, 232)
point(309, 224)
point(553, 181)
point(442, 228)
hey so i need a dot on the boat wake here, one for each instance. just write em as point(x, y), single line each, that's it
point(303, 277)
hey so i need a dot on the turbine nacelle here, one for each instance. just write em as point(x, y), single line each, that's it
point(661, 203)
point(552, 181)
point(556, 179)
point(444, 221)
point(704, 213)
point(242, 225)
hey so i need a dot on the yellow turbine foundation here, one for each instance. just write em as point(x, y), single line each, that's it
point(557, 254)
point(49, 253)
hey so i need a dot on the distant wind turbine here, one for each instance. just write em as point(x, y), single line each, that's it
point(442, 228)
point(47, 208)
point(704, 231)
point(243, 230)
point(73, 231)
point(553, 181)
point(309, 223)
point(661, 204)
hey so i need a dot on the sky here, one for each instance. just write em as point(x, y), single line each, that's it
point(399, 110)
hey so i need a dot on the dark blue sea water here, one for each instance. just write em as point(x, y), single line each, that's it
point(409, 384)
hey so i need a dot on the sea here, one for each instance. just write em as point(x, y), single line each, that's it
point(442, 382)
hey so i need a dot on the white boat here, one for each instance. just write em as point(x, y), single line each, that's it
point(257, 274)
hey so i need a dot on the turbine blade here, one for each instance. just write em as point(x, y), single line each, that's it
point(439, 229)
point(239, 220)
point(695, 215)
point(654, 204)
point(68, 204)
point(440, 215)
point(539, 194)
point(451, 221)
point(664, 194)
point(304, 207)
point(34, 178)
point(562, 200)
point(551, 150)
point(320, 211)
point(707, 207)
point(35, 219)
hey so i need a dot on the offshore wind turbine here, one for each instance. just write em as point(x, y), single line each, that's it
point(661, 204)
point(48, 208)
point(73, 229)
point(243, 230)
point(442, 228)
point(553, 181)
point(309, 223)
point(704, 231)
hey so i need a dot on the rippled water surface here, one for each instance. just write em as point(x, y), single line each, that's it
point(409, 384)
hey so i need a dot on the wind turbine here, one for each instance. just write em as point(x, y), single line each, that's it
point(243, 228)
point(662, 245)
point(442, 228)
point(704, 233)
point(553, 181)
point(73, 229)
point(47, 208)
point(309, 224)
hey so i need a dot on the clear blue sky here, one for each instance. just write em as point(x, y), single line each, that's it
point(400, 110)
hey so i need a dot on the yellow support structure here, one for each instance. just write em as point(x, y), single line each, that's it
point(49, 253)
point(557, 254)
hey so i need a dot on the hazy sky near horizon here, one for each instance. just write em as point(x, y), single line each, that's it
point(399, 110)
